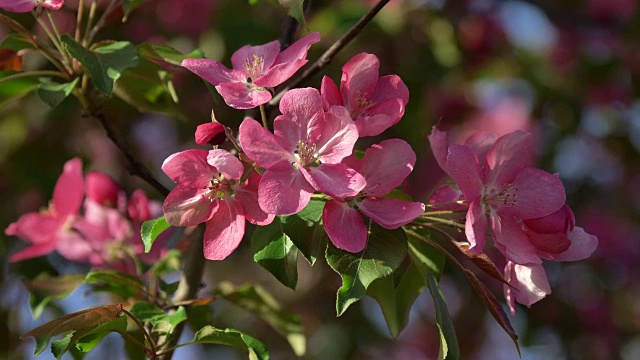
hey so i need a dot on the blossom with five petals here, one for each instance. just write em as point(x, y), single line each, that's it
point(501, 188)
point(255, 68)
point(374, 103)
point(51, 229)
point(303, 154)
point(21, 6)
point(384, 167)
point(209, 190)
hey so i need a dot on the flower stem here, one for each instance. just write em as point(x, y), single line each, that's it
point(459, 202)
point(152, 343)
point(35, 73)
point(263, 115)
point(444, 221)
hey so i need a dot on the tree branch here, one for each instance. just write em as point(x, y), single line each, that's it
point(135, 166)
point(328, 55)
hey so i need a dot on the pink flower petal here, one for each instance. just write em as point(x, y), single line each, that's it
point(33, 250)
point(475, 227)
point(550, 243)
point(283, 190)
point(561, 221)
point(226, 163)
point(53, 4)
point(210, 133)
point(380, 117)
point(390, 87)
point(339, 135)
point(480, 142)
point(224, 231)
point(247, 55)
point(336, 180)
point(35, 228)
point(247, 195)
point(391, 213)
point(186, 206)
point(298, 50)
point(69, 190)
point(239, 96)
point(19, 6)
point(462, 166)
point(138, 207)
point(530, 283)
point(439, 146)
point(76, 248)
point(213, 71)
point(189, 168)
point(582, 246)
point(279, 74)
point(301, 106)
point(101, 188)
point(508, 155)
point(261, 146)
point(344, 226)
point(538, 193)
point(330, 93)
point(512, 241)
point(359, 78)
point(385, 166)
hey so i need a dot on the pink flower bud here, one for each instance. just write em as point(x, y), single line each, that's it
point(549, 233)
point(102, 189)
point(210, 133)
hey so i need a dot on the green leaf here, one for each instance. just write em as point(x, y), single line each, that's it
point(170, 262)
point(106, 63)
point(199, 316)
point(396, 294)
point(15, 88)
point(53, 93)
point(166, 54)
point(46, 288)
point(295, 9)
point(231, 337)
point(59, 347)
point(258, 301)
point(169, 288)
point(95, 336)
point(274, 251)
point(115, 282)
point(82, 322)
point(253, 2)
point(427, 258)
point(15, 42)
point(449, 348)
point(151, 229)
point(162, 322)
point(148, 88)
point(305, 231)
point(383, 253)
point(128, 6)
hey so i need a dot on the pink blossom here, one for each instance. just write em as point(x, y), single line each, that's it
point(529, 284)
point(21, 6)
point(209, 190)
point(255, 68)
point(384, 166)
point(374, 103)
point(47, 230)
point(502, 190)
point(303, 154)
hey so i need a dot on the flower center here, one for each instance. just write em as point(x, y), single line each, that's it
point(254, 66)
point(218, 188)
point(305, 153)
point(505, 195)
point(362, 104)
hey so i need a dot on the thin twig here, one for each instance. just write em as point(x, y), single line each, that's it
point(79, 20)
point(90, 18)
point(135, 166)
point(35, 73)
point(101, 20)
point(152, 343)
point(328, 55)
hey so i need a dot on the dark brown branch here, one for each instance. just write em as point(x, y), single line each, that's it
point(328, 55)
point(135, 166)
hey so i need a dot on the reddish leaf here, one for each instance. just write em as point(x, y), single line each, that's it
point(82, 322)
point(483, 262)
point(493, 306)
point(10, 60)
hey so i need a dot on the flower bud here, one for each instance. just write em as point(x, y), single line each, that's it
point(210, 133)
point(102, 189)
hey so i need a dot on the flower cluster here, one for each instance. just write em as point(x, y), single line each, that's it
point(106, 234)
point(310, 150)
point(523, 206)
